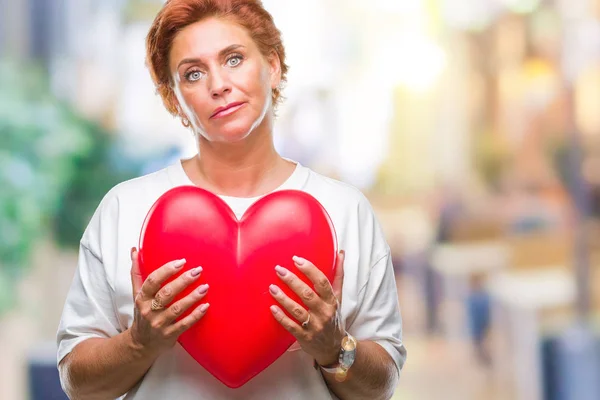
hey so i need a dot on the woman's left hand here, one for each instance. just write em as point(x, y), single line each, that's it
point(322, 332)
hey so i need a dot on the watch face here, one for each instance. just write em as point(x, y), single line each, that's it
point(347, 359)
point(348, 352)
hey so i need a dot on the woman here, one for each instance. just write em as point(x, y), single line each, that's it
point(218, 65)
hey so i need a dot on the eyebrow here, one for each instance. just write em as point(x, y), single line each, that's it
point(222, 53)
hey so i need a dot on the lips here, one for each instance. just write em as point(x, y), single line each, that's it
point(227, 110)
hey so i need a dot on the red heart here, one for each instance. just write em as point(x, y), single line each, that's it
point(238, 337)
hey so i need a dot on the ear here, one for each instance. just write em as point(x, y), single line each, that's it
point(274, 69)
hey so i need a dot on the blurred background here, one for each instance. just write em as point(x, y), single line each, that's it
point(473, 126)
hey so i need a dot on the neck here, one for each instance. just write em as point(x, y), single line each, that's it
point(248, 168)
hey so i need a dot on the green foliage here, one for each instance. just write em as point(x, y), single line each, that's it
point(95, 173)
point(54, 169)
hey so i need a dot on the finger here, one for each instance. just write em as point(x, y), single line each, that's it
point(305, 292)
point(136, 275)
point(317, 277)
point(338, 280)
point(187, 322)
point(154, 281)
point(295, 309)
point(178, 308)
point(168, 292)
point(289, 324)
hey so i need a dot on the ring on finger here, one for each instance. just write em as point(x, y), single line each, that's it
point(156, 304)
point(305, 323)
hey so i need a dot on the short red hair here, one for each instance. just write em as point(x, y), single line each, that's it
point(177, 14)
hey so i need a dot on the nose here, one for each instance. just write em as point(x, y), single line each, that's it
point(219, 84)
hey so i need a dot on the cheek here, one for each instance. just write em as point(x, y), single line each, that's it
point(195, 102)
point(259, 88)
point(265, 80)
point(255, 80)
point(184, 97)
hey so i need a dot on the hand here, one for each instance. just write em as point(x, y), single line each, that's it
point(322, 336)
point(156, 330)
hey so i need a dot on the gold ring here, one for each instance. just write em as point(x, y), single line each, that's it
point(156, 305)
point(305, 323)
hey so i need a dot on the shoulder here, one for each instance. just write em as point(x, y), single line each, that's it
point(343, 194)
point(352, 214)
point(134, 189)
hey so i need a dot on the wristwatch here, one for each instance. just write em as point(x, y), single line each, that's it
point(345, 360)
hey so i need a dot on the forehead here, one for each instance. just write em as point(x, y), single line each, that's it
point(205, 38)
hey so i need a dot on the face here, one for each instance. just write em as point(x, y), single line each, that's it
point(222, 82)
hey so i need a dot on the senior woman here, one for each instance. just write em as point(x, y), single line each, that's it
point(219, 65)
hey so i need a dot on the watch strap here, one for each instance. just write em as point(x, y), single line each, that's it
point(339, 369)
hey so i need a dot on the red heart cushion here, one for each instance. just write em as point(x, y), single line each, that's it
point(238, 337)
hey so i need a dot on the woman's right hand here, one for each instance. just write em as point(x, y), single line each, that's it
point(157, 330)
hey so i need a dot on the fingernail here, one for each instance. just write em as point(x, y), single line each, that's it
point(196, 271)
point(343, 252)
point(179, 263)
point(274, 310)
point(132, 251)
point(299, 260)
point(274, 289)
point(204, 307)
point(203, 289)
point(281, 271)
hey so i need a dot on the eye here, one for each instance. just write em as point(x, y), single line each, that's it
point(193, 76)
point(235, 60)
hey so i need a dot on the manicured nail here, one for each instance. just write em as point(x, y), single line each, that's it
point(196, 271)
point(342, 252)
point(204, 307)
point(274, 289)
point(179, 263)
point(299, 260)
point(203, 289)
point(281, 271)
point(132, 252)
point(274, 310)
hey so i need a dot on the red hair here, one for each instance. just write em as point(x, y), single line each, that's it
point(177, 14)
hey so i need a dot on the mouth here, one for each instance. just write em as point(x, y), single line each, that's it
point(227, 110)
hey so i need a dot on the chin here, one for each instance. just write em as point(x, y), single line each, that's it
point(233, 131)
point(230, 133)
